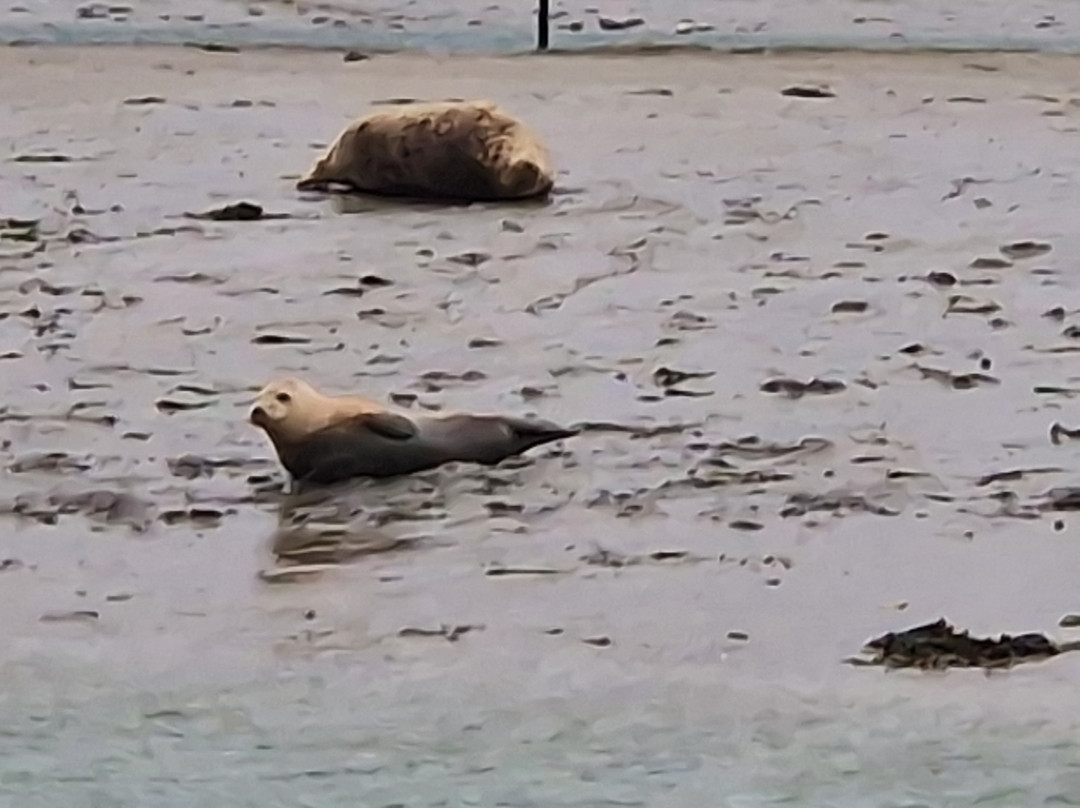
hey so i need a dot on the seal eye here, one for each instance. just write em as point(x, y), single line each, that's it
point(284, 398)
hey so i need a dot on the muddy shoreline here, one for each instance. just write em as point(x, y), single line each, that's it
point(903, 235)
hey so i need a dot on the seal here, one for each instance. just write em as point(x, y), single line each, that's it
point(325, 439)
point(454, 150)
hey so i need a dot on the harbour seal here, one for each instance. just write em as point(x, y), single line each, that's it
point(324, 439)
point(461, 150)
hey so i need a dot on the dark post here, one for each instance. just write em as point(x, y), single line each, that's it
point(542, 26)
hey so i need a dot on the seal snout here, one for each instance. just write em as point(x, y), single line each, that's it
point(258, 416)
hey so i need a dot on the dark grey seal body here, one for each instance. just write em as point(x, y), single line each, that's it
point(387, 444)
point(324, 439)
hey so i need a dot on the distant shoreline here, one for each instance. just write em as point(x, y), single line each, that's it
point(504, 40)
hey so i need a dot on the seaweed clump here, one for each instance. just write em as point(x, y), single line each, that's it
point(938, 645)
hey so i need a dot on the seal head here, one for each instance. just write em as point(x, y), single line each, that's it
point(288, 409)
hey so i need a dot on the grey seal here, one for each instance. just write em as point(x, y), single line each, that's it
point(458, 150)
point(325, 439)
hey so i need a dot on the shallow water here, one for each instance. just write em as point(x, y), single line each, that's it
point(704, 222)
point(483, 26)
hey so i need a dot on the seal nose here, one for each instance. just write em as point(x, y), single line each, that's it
point(257, 415)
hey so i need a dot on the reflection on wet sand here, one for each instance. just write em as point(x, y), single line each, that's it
point(350, 520)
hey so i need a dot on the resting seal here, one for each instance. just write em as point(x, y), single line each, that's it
point(325, 439)
point(466, 150)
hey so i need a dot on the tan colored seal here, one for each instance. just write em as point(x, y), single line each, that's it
point(324, 439)
point(465, 150)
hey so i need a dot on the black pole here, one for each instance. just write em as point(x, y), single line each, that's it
point(542, 26)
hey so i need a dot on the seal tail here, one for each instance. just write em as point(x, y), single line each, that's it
point(530, 433)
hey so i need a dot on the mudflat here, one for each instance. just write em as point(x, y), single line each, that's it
point(817, 316)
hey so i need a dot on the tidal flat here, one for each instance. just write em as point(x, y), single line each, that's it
point(817, 314)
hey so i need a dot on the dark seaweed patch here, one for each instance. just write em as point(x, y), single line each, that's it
point(990, 262)
point(1019, 250)
point(808, 91)
point(850, 307)
point(611, 24)
point(802, 504)
point(1057, 432)
point(793, 388)
point(449, 633)
point(939, 645)
point(237, 212)
point(957, 381)
point(280, 339)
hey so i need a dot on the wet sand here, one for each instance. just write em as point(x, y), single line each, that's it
point(705, 222)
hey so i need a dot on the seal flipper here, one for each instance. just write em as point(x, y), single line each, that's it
point(388, 424)
point(532, 432)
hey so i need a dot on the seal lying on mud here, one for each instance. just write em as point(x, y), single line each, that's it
point(325, 439)
point(467, 150)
